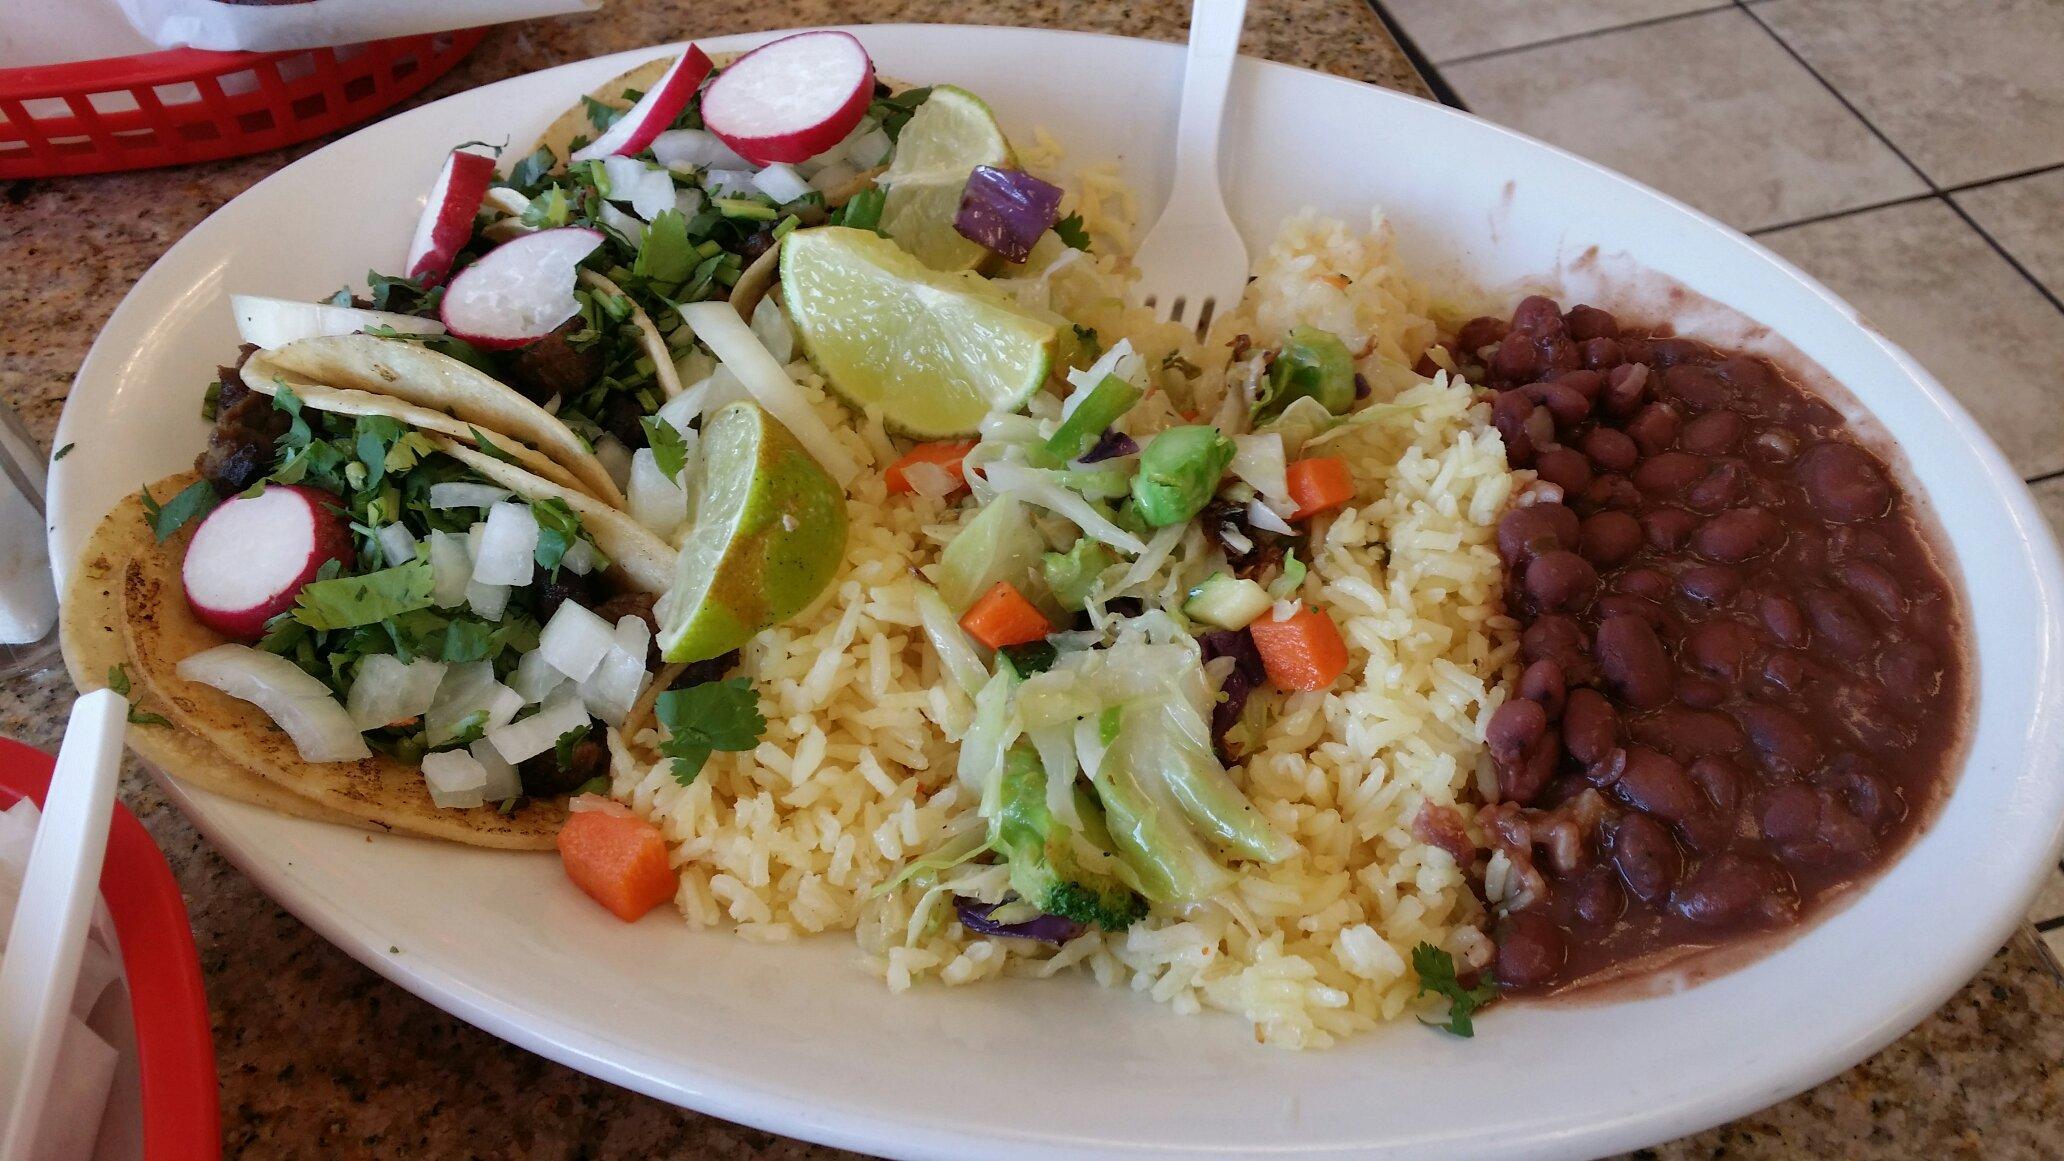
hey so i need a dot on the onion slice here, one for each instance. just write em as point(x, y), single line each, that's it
point(296, 702)
point(272, 323)
point(1006, 210)
point(736, 346)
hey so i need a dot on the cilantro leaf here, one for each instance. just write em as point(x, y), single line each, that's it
point(197, 499)
point(1072, 231)
point(139, 717)
point(667, 256)
point(558, 527)
point(488, 447)
point(562, 749)
point(62, 452)
point(601, 116)
point(596, 785)
point(702, 719)
point(349, 601)
point(894, 112)
point(118, 679)
point(527, 171)
point(862, 211)
point(1436, 971)
point(669, 450)
point(1031, 657)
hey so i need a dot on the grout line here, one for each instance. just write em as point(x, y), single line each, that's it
point(1831, 215)
point(2038, 478)
point(1837, 94)
point(2005, 256)
point(1424, 66)
point(1568, 37)
point(2049, 925)
point(2034, 171)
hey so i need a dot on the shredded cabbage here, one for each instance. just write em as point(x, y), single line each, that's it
point(956, 654)
point(1037, 487)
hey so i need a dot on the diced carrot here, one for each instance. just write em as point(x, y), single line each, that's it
point(1303, 652)
point(619, 860)
point(945, 453)
point(1004, 617)
point(1318, 484)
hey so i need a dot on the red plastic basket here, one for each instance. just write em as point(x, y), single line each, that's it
point(186, 105)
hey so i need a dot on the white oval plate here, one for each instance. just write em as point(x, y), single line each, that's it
point(796, 1039)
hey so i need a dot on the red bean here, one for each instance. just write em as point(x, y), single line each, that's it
point(1700, 692)
point(1716, 433)
point(1523, 781)
point(1839, 624)
point(1560, 581)
point(1628, 605)
point(1910, 671)
point(1668, 529)
point(1733, 887)
point(1789, 814)
point(1590, 727)
point(1747, 373)
point(1537, 314)
point(1782, 619)
point(1522, 532)
point(1632, 659)
point(1666, 352)
point(1510, 412)
point(1844, 482)
point(1668, 474)
point(1612, 450)
point(1626, 389)
point(1646, 857)
point(1609, 539)
point(1597, 900)
point(1685, 734)
point(1565, 468)
point(1700, 388)
point(1720, 779)
point(1568, 405)
point(1738, 534)
point(1531, 949)
point(1874, 586)
point(1655, 429)
point(1516, 360)
point(1787, 673)
point(1774, 446)
point(1783, 744)
point(1722, 650)
point(1543, 683)
point(1647, 583)
point(1560, 639)
point(1724, 485)
point(1589, 322)
point(1478, 333)
point(1589, 384)
point(1601, 354)
point(1655, 783)
point(1513, 728)
point(1711, 585)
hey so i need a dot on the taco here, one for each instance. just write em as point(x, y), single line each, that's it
point(432, 665)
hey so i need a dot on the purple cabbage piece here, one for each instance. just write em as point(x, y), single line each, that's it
point(1246, 676)
point(1006, 210)
point(974, 915)
point(1109, 446)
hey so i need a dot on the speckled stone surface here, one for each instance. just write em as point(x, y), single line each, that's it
point(320, 1058)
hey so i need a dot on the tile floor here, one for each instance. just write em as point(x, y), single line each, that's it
point(1909, 153)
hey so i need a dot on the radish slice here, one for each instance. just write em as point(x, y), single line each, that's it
point(447, 220)
point(272, 323)
point(654, 111)
point(519, 291)
point(248, 560)
point(792, 99)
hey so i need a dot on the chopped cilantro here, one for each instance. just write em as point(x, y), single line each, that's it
point(562, 749)
point(666, 256)
point(528, 171)
point(138, 717)
point(702, 719)
point(596, 785)
point(118, 679)
point(862, 211)
point(1072, 231)
point(601, 115)
point(1031, 657)
point(196, 499)
point(558, 527)
point(347, 601)
point(1436, 971)
point(62, 452)
point(894, 112)
point(488, 447)
point(669, 450)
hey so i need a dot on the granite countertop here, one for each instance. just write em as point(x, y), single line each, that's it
point(320, 1057)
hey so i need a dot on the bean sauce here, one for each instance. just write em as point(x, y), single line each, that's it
point(1744, 683)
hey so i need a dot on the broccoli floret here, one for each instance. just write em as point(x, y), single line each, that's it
point(1046, 867)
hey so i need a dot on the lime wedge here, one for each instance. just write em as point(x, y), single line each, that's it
point(769, 534)
point(948, 136)
point(935, 351)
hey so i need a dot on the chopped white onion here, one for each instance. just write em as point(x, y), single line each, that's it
point(689, 202)
point(457, 781)
point(537, 733)
point(295, 701)
point(649, 191)
point(451, 569)
point(388, 691)
point(684, 409)
point(535, 677)
point(735, 345)
point(729, 183)
point(782, 183)
point(615, 457)
point(503, 783)
point(580, 558)
point(467, 689)
point(956, 653)
point(770, 324)
point(613, 688)
point(508, 548)
point(834, 176)
point(488, 602)
point(682, 149)
point(397, 544)
point(631, 228)
point(464, 495)
point(930, 480)
point(869, 149)
point(1036, 487)
point(693, 366)
point(1261, 516)
point(574, 641)
point(658, 503)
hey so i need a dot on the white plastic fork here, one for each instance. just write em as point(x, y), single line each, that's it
point(1193, 263)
